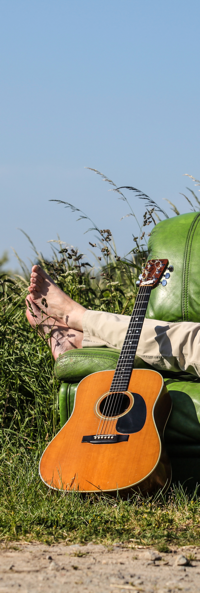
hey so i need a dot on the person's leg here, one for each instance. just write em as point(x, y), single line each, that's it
point(164, 345)
point(60, 338)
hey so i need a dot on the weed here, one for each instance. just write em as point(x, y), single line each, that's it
point(29, 415)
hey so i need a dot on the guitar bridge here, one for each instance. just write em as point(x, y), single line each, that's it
point(105, 439)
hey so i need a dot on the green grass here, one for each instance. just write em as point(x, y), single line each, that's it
point(29, 417)
point(31, 512)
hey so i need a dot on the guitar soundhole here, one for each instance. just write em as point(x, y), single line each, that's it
point(114, 404)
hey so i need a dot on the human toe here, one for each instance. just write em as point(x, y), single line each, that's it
point(35, 277)
point(39, 271)
point(35, 291)
point(36, 268)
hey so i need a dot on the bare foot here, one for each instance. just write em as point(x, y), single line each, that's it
point(53, 301)
point(60, 338)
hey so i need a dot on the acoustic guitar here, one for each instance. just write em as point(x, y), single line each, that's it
point(113, 441)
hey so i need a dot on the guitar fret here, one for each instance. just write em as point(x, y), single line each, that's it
point(126, 360)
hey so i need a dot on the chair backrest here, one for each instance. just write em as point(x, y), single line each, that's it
point(178, 240)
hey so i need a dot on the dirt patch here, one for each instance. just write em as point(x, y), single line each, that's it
point(34, 567)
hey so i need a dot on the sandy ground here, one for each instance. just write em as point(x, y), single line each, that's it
point(29, 568)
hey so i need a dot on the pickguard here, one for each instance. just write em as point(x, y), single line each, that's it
point(135, 419)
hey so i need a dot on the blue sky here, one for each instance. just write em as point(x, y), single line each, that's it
point(109, 84)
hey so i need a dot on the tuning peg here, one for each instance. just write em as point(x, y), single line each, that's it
point(167, 275)
point(139, 280)
point(163, 282)
point(170, 268)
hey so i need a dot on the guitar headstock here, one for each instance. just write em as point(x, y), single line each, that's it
point(152, 272)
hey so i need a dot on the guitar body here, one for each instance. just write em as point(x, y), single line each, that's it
point(100, 450)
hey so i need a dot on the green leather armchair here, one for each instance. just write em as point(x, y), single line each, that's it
point(177, 239)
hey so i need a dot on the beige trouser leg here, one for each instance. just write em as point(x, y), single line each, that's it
point(164, 345)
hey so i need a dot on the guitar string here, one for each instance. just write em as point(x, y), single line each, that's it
point(146, 293)
point(111, 402)
point(112, 406)
point(118, 379)
point(107, 410)
point(134, 327)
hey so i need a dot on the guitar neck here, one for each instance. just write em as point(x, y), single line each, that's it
point(126, 360)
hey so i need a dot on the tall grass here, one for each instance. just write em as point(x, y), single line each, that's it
point(29, 415)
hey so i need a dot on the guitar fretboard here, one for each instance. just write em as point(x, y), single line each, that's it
point(126, 360)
